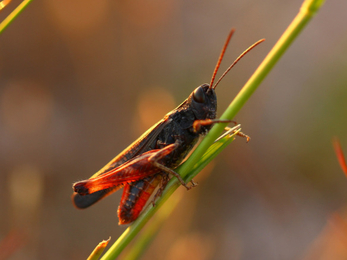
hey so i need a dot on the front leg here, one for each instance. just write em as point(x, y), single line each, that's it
point(205, 122)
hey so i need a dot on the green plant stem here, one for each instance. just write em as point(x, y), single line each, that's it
point(13, 15)
point(307, 11)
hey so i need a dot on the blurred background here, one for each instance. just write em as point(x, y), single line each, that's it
point(80, 80)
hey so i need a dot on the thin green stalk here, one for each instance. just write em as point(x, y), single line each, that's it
point(10, 18)
point(307, 11)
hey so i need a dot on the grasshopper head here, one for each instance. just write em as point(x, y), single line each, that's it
point(203, 101)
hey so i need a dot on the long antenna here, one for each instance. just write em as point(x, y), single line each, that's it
point(233, 64)
point(221, 56)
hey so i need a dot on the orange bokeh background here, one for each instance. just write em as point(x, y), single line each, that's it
point(80, 80)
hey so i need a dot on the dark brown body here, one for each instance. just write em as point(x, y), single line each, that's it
point(148, 161)
point(175, 128)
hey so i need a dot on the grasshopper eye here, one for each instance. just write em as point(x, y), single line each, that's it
point(199, 95)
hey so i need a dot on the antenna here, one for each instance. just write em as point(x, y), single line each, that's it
point(221, 56)
point(238, 58)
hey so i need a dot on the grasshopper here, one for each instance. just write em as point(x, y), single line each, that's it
point(150, 160)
